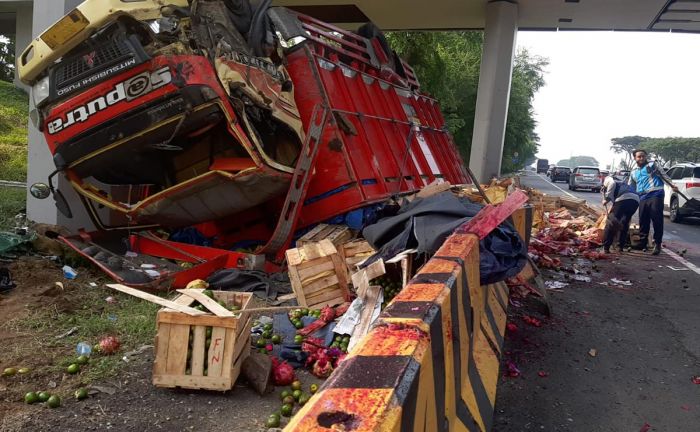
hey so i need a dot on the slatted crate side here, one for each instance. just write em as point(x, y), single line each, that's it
point(318, 275)
point(337, 234)
point(355, 252)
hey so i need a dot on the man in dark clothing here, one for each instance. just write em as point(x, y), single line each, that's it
point(648, 180)
point(625, 201)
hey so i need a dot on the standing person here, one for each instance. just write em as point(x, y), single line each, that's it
point(625, 202)
point(648, 179)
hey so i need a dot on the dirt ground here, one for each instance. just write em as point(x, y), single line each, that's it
point(126, 401)
point(611, 358)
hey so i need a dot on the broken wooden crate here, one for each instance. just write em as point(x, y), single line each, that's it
point(202, 351)
point(354, 252)
point(337, 234)
point(318, 275)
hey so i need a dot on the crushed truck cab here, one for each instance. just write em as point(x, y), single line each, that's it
point(247, 124)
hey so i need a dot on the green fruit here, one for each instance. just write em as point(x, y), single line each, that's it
point(23, 371)
point(262, 351)
point(296, 385)
point(276, 339)
point(335, 345)
point(346, 339)
point(287, 410)
point(299, 325)
point(222, 303)
point(73, 369)
point(289, 400)
point(313, 389)
point(296, 314)
point(260, 343)
point(297, 393)
point(284, 394)
point(275, 415)
point(81, 394)
point(44, 396)
point(267, 327)
point(31, 398)
point(199, 307)
point(208, 293)
point(305, 312)
point(267, 334)
point(54, 402)
point(9, 371)
point(83, 359)
point(272, 422)
point(303, 399)
point(344, 347)
point(298, 339)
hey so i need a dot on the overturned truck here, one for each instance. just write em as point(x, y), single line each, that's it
point(242, 124)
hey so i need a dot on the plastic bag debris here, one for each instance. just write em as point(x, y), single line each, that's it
point(69, 272)
point(621, 282)
point(555, 285)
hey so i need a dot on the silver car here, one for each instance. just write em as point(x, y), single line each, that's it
point(585, 177)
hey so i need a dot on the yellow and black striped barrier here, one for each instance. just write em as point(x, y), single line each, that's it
point(430, 363)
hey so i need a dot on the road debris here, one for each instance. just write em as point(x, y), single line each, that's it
point(593, 352)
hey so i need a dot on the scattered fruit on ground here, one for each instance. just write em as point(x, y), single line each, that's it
point(303, 399)
point(83, 359)
point(272, 422)
point(267, 326)
point(54, 401)
point(287, 410)
point(296, 394)
point(23, 371)
point(314, 388)
point(285, 393)
point(81, 394)
point(73, 368)
point(299, 325)
point(269, 347)
point(298, 339)
point(262, 351)
point(305, 312)
point(296, 385)
point(276, 339)
point(289, 400)
point(109, 345)
point(260, 343)
point(31, 398)
point(267, 334)
point(9, 371)
point(44, 396)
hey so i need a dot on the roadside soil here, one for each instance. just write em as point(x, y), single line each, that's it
point(611, 357)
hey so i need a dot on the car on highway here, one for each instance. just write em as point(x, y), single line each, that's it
point(585, 177)
point(559, 173)
point(687, 177)
point(621, 175)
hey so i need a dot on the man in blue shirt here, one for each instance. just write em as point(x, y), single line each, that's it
point(649, 179)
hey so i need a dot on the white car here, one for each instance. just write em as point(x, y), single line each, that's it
point(687, 177)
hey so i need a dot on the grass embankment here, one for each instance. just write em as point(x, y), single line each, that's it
point(14, 106)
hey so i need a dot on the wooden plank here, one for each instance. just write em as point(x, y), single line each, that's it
point(198, 346)
point(311, 251)
point(323, 266)
point(328, 281)
point(311, 235)
point(293, 257)
point(324, 296)
point(286, 297)
point(373, 270)
point(369, 302)
point(297, 286)
point(155, 299)
point(215, 355)
point(361, 282)
point(178, 342)
point(161, 351)
point(327, 248)
point(191, 382)
point(207, 302)
point(206, 320)
point(406, 270)
point(433, 188)
point(341, 271)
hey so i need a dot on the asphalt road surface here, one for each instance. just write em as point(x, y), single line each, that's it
point(612, 357)
point(677, 236)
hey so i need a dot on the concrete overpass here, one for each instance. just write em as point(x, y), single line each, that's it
point(500, 20)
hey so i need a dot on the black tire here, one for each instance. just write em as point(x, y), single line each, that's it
point(674, 214)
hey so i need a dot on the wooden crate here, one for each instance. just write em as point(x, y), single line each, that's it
point(337, 234)
point(215, 367)
point(318, 275)
point(354, 253)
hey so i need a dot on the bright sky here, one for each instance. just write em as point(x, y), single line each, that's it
point(601, 85)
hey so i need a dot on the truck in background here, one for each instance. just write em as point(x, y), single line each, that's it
point(542, 166)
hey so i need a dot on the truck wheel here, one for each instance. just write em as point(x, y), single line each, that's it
point(674, 211)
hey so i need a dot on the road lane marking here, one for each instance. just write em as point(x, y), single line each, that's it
point(683, 261)
point(555, 185)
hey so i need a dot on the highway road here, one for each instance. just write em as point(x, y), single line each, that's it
point(677, 236)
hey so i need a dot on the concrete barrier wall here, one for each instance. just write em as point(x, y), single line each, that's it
point(430, 363)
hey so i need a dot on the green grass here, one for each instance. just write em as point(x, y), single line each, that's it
point(12, 201)
point(14, 107)
point(131, 320)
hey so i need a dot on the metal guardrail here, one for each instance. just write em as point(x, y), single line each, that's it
point(7, 183)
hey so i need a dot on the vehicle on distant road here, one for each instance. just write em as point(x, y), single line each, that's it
point(621, 175)
point(542, 166)
point(560, 173)
point(585, 177)
point(687, 177)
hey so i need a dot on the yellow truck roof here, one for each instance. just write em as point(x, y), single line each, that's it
point(78, 25)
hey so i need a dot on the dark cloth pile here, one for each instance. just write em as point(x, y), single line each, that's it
point(263, 285)
point(424, 224)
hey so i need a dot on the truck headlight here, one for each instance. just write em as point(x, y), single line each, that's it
point(40, 91)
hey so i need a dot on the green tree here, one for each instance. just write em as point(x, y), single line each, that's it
point(7, 58)
point(447, 65)
point(673, 149)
